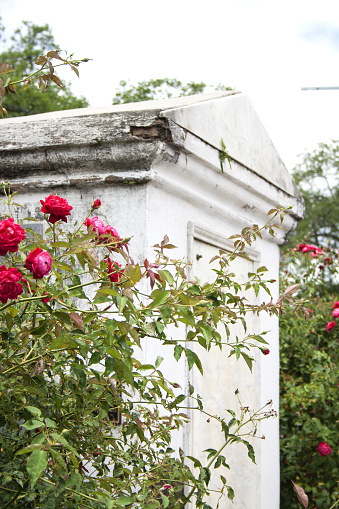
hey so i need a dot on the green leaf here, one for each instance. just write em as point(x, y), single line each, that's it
point(32, 424)
point(160, 299)
point(50, 423)
point(124, 501)
point(166, 276)
point(165, 500)
point(154, 504)
point(250, 450)
point(207, 332)
point(36, 464)
point(35, 411)
point(158, 361)
point(248, 360)
point(192, 359)
point(95, 358)
point(29, 448)
point(178, 349)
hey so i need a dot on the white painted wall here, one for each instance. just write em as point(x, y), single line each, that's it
point(168, 181)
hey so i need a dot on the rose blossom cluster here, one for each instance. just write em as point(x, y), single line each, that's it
point(309, 248)
point(335, 314)
point(39, 262)
point(101, 228)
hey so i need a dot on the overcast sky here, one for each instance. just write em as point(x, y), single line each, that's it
point(267, 49)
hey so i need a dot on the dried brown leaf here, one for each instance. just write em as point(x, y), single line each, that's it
point(51, 68)
point(38, 368)
point(2, 92)
point(291, 289)
point(57, 81)
point(76, 320)
point(302, 497)
point(4, 67)
point(41, 60)
point(54, 54)
point(75, 70)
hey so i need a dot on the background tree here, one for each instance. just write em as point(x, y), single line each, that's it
point(162, 88)
point(317, 177)
point(29, 42)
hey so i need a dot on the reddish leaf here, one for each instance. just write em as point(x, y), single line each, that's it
point(302, 497)
point(75, 70)
point(57, 81)
point(40, 60)
point(54, 54)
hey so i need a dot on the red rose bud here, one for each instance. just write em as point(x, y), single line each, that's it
point(324, 449)
point(265, 352)
point(57, 207)
point(11, 234)
point(10, 287)
point(321, 267)
point(96, 204)
point(39, 262)
point(45, 299)
point(166, 487)
point(330, 326)
point(115, 271)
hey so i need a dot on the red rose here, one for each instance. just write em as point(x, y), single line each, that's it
point(265, 352)
point(335, 313)
point(96, 204)
point(115, 271)
point(330, 326)
point(11, 234)
point(336, 305)
point(300, 247)
point(98, 225)
point(45, 299)
point(112, 231)
point(10, 288)
point(57, 207)
point(39, 262)
point(324, 449)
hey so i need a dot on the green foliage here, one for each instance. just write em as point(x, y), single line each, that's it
point(29, 42)
point(309, 382)
point(317, 177)
point(83, 422)
point(159, 89)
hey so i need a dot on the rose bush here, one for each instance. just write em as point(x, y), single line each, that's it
point(309, 380)
point(83, 422)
